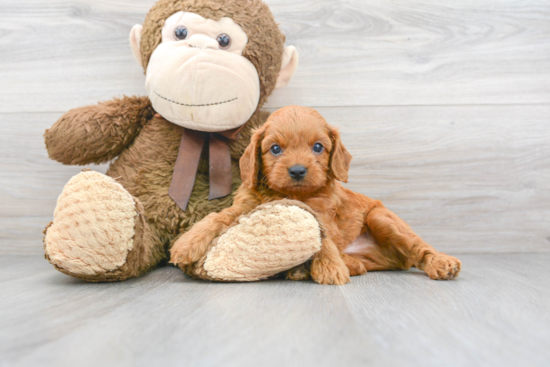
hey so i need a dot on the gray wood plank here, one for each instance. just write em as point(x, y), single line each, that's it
point(166, 314)
point(495, 314)
point(467, 179)
point(62, 54)
point(470, 179)
point(31, 181)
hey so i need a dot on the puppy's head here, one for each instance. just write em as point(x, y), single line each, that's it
point(295, 152)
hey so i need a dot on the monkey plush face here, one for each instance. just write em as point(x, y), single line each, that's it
point(204, 72)
point(198, 78)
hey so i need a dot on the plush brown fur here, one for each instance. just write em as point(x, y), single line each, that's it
point(147, 145)
point(98, 134)
point(343, 213)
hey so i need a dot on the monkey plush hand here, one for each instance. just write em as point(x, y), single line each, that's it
point(209, 66)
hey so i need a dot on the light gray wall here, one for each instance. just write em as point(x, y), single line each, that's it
point(445, 106)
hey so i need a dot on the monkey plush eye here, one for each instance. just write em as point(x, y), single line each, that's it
point(180, 32)
point(276, 150)
point(224, 40)
point(318, 147)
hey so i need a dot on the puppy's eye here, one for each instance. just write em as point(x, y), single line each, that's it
point(180, 33)
point(276, 150)
point(318, 147)
point(224, 41)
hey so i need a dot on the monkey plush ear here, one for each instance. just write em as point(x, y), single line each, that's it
point(251, 159)
point(288, 66)
point(135, 39)
point(340, 158)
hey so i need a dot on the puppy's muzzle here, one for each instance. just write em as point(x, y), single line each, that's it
point(297, 172)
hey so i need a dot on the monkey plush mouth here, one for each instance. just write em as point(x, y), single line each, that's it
point(196, 105)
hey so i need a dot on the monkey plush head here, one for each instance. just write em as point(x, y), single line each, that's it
point(210, 64)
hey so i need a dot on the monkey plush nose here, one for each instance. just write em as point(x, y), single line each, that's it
point(297, 172)
point(202, 41)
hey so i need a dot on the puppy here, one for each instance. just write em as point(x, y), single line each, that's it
point(297, 155)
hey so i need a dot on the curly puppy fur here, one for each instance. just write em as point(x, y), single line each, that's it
point(147, 145)
point(345, 215)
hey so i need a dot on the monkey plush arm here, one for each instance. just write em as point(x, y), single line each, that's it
point(97, 133)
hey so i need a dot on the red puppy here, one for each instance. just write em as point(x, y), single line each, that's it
point(297, 155)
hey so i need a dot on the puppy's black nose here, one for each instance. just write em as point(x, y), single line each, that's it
point(297, 172)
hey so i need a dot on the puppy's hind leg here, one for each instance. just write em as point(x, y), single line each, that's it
point(372, 257)
point(395, 237)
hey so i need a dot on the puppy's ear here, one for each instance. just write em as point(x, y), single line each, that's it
point(340, 158)
point(251, 159)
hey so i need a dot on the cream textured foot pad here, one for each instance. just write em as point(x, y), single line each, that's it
point(93, 227)
point(273, 238)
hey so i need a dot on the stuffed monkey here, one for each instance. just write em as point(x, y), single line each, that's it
point(209, 66)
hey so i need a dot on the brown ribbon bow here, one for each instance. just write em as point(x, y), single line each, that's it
point(187, 163)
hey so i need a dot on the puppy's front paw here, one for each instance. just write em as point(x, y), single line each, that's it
point(443, 267)
point(185, 251)
point(325, 272)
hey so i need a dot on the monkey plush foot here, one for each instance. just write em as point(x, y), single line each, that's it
point(273, 238)
point(98, 232)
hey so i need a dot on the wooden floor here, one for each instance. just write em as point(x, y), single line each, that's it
point(496, 314)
